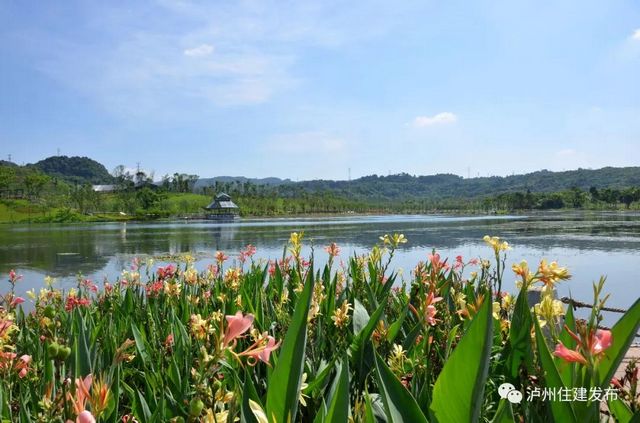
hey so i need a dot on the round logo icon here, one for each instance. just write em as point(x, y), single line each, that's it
point(508, 391)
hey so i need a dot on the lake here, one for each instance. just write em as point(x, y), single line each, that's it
point(590, 244)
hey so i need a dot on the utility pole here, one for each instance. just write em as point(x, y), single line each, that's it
point(9, 157)
point(349, 174)
point(58, 151)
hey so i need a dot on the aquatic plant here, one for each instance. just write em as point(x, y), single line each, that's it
point(283, 341)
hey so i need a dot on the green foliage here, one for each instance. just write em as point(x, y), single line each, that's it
point(74, 170)
point(463, 378)
point(282, 342)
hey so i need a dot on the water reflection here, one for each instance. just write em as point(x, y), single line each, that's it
point(589, 244)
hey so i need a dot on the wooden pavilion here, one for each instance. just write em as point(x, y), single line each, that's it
point(222, 209)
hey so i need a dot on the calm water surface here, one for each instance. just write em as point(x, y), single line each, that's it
point(589, 244)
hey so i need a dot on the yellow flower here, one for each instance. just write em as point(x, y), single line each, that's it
point(551, 273)
point(296, 243)
point(496, 310)
point(549, 309)
point(494, 242)
point(200, 327)
point(172, 289)
point(396, 359)
point(394, 240)
point(212, 417)
point(303, 385)
point(341, 315)
point(232, 278)
point(376, 254)
point(191, 276)
point(49, 281)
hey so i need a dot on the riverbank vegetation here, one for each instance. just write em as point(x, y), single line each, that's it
point(286, 340)
point(27, 194)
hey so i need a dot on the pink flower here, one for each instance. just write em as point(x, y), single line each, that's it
point(23, 365)
point(262, 352)
point(436, 264)
point(85, 417)
point(154, 288)
point(82, 393)
point(87, 283)
point(266, 352)
point(602, 341)
point(169, 341)
point(248, 252)
point(73, 302)
point(13, 278)
point(332, 249)
point(135, 264)
point(592, 345)
point(430, 309)
point(568, 355)
point(213, 269)
point(236, 326)
point(221, 257)
point(166, 272)
point(16, 301)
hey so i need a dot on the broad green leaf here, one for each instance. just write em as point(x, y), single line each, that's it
point(321, 416)
point(320, 380)
point(520, 334)
point(561, 410)
point(369, 417)
point(361, 348)
point(565, 368)
point(504, 413)
point(620, 410)
point(144, 412)
point(623, 333)
point(82, 356)
point(338, 410)
point(140, 344)
point(394, 328)
point(400, 406)
point(464, 375)
point(247, 413)
point(115, 394)
point(284, 385)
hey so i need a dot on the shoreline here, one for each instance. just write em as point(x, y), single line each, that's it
point(102, 218)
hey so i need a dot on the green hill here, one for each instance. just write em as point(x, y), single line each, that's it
point(443, 186)
point(75, 169)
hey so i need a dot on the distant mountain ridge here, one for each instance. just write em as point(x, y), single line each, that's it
point(441, 186)
point(392, 187)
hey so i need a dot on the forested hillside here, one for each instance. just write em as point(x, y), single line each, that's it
point(76, 170)
point(447, 186)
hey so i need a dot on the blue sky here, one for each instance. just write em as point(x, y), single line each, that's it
point(308, 90)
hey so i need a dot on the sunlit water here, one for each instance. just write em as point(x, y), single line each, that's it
point(591, 245)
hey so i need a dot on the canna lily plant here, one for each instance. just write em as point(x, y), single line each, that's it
point(285, 340)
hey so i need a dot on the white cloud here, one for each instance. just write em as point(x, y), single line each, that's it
point(200, 51)
point(636, 35)
point(439, 119)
